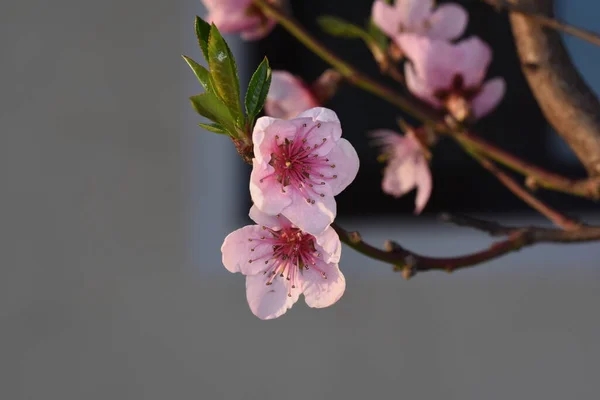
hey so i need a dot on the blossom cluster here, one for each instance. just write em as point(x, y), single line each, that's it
point(299, 165)
point(301, 162)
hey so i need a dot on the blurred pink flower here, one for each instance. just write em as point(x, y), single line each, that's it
point(238, 16)
point(281, 261)
point(288, 96)
point(451, 75)
point(448, 21)
point(407, 167)
point(299, 165)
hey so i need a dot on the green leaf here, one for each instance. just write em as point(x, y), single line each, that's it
point(338, 27)
point(211, 107)
point(257, 90)
point(201, 73)
point(377, 35)
point(216, 128)
point(202, 33)
point(224, 72)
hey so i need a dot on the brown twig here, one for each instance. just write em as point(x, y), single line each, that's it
point(516, 238)
point(544, 20)
point(553, 215)
point(589, 188)
point(567, 102)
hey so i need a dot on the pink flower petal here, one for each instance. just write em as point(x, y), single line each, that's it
point(322, 136)
point(265, 191)
point(232, 16)
point(424, 184)
point(346, 162)
point(265, 133)
point(398, 178)
point(419, 88)
point(386, 17)
point(288, 96)
point(448, 21)
point(259, 31)
point(269, 301)
point(320, 292)
point(268, 220)
point(237, 250)
point(330, 245)
point(312, 218)
point(407, 167)
point(434, 61)
point(322, 114)
point(232, 22)
point(473, 56)
point(437, 62)
point(414, 11)
point(489, 97)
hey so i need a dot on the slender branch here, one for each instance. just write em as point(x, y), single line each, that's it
point(542, 178)
point(553, 215)
point(565, 99)
point(589, 188)
point(515, 7)
point(516, 238)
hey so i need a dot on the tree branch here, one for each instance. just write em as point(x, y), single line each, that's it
point(565, 99)
point(411, 263)
point(553, 215)
point(538, 177)
point(514, 7)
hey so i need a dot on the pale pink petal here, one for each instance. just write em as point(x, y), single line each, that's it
point(488, 98)
point(237, 250)
point(321, 114)
point(288, 96)
point(266, 191)
point(346, 162)
point(399, 178)
point(232, 16)
point(419, 88)
point(330, 245)
point(231, 5)
point(320, 292)
point(386, 17)
point(269, 301)
point(259, 31)
point(231, 22)
point(321, 136)
point(424, 184)
point(473, 56)
point(309, 217)
point(413, 12)
point(267, 133)
point(434, 60)
point(388, 139)
point(268, 220)
point(448, 21)
point(437, 62)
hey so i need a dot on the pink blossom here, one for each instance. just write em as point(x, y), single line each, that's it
point(288, 96)
point(407, 167)
point(233, 16)
point(299, 165)
point(451, 75)
point(448, 21)
point(281, 261)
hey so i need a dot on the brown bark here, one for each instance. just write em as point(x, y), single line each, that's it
point(565, 99)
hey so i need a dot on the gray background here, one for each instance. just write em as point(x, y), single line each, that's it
point(112, 211)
